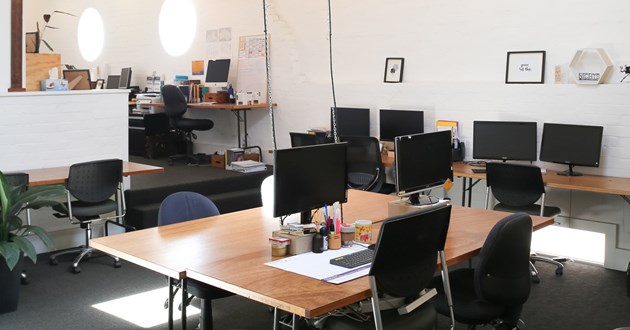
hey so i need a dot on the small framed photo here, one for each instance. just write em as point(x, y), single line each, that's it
point(394, 69)
point(77, 79)
point(526, 67)
point(99, 84)
point(31, 42)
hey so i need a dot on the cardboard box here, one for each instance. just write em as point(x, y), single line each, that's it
point(217, 161)
point(254, 157)
point(301, 243)
point(48, 85)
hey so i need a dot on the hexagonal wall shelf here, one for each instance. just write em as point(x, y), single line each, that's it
point(590, 66)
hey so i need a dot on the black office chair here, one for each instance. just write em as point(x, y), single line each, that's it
point(175, 106)
point(365, 166)
point(19, 179)
point(92, 186)
point(495, 290)
point(184, 206)
point(517, 188)
point(404, 263)
point(306, 139)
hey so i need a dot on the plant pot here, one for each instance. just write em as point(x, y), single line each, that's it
point(9, 286)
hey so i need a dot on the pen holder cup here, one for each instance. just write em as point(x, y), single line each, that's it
point(334, 241)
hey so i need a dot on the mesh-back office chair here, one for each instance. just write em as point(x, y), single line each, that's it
point(404, 263)
point(365, 166)
point(495, 290)
point(184, 206)
point(175, 106)
point(517, 188)
point(20, 180)
point(92, 186)
point(306, 139)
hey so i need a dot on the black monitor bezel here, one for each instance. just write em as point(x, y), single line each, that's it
point(215, 77)
point(359, 114)
point(546, 155)
point(122, 82)
point(410, 116)
point(532, 154)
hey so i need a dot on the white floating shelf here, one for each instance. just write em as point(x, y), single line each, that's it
point(590, 66)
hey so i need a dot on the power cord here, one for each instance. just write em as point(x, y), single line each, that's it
point(332, 77)
point(268, 69)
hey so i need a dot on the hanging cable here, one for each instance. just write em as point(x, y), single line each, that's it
point(332, 77)
point(268, 71)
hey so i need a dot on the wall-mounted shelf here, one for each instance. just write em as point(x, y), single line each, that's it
point(590, 66)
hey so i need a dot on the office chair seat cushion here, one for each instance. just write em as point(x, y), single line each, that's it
point(205, 291)
point(467, 307)
point(186, 124)
point(84, 209)
point(423, 317)
point(532, 209)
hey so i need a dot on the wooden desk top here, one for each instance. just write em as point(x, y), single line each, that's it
point(219, 106)
point(590, 183)
point(58, 175)
point(229, 251)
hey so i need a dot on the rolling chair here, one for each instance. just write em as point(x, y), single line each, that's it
point(180, 207)
point(495, 291)
point(404, 263)
point(175, 106)
point(306, 139)
point(20, 180)
point(365, 166)
point(92, 185)
point(518, 188)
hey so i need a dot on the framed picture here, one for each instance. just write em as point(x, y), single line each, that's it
point(99, 83)
point(31, 42)
point(77, 79)
point(394, 69)
point(526, 67)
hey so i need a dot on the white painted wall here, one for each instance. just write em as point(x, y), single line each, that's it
point(455, 54)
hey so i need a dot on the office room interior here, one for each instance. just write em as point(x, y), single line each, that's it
point(455, 67)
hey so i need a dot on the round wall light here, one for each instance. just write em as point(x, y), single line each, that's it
point(177, 26)
point(90, 34)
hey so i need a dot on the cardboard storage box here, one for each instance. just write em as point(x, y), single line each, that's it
point(217, 161)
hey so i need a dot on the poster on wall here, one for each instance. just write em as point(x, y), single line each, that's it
point(252, 72)
point(525, 67)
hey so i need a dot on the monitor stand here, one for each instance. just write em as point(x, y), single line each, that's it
point(570, 172)
point(419, 200)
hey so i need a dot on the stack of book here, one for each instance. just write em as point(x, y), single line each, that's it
point(248, 166)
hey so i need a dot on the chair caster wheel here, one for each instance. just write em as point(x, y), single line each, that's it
point(166, 304)
point(76, 270)
point(53, 261)
point(536, 279)
point(117, 264)
point(559, 271)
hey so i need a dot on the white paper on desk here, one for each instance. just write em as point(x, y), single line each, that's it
point(317, 265)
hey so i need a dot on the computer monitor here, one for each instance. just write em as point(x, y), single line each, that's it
point(504, 140)
point(112, 81)
point(423, 161)
point(309, 177)
point(125, 78)
point(573, 145)
point(350, 121)
point(217, 73)
point(306, 139)
point(393, 123)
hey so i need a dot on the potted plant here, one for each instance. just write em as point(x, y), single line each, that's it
point(40, 34)
point(13, 243)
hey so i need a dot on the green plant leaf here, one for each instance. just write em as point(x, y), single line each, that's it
point(26, 247)
point(10, 252)
point(41, 234)
point(46, 17)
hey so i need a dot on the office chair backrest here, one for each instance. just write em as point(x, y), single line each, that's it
point(305, 139)
point(502, 273)
point(175, 104)
point(515, 185)
point(184, 206)
point(95, 181)
point(364, 162)
point(18, 179)
point(407, 250)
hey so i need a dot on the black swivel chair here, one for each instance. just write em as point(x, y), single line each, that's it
point(175, 106)
point(517, 188)
point(91, 186)
point(494, 291)
point(19, 179)
point(365, 166)
point(404, 263)
point(184, 206)
point(306, 139)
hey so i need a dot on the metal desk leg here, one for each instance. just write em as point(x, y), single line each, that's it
point(171, 296)
point(463, 191)
point(245, 128)
point(184, 301)
point(237, 113)
point(470, 186)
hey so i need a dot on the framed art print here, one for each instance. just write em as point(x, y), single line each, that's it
point(527, 67)
point(394, 69)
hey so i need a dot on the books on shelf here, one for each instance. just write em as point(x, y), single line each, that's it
point(248, 166)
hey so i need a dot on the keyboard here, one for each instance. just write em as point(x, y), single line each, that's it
point(354, 259)
point(479, 170)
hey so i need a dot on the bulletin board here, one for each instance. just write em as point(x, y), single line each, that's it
point(252, 73)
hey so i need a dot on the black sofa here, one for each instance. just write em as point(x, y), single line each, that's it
point(230, 194)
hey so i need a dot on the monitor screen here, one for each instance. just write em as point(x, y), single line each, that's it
point(504, 140)
point(112, 82)
point(217, 73)
point(309, 177)
point(423, 161)
point(572, 145)
point(125, 78)
point(393, 123)
point(351, 121)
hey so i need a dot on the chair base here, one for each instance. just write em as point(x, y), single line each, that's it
point(82, 252)
point(558, 262)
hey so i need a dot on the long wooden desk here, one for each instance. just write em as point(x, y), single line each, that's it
point(58, 175)
point(239, 110)
point(590, 183)
point(229, 251)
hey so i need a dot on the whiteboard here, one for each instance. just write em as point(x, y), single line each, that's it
point(252, 73)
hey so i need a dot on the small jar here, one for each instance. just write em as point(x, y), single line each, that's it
point(347, 235)
point(279, 246)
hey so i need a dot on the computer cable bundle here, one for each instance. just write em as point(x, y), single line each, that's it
point(268, 72)
point(332, 77)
